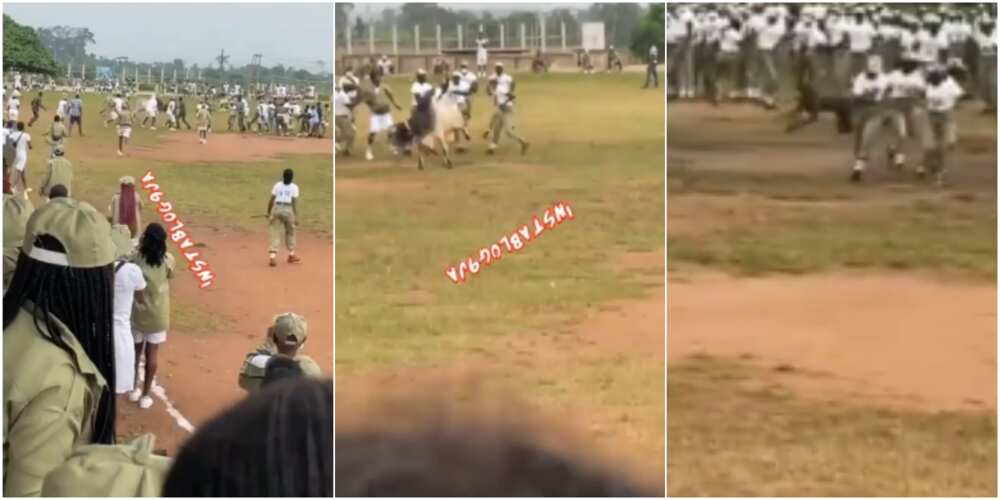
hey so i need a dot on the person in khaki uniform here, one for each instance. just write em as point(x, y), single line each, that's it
point(151, 313)
point(17, 208)
point(284, 338)
point(501, 87)
point(283, 214)
point(55, 389)
point(55, 137)
point(58, 170)
point(132, 469)
point(126, 206)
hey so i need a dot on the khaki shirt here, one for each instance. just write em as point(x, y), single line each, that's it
point(16, 210)
point(59, 171)
point(57, 132)
point(153, 314)
point(251, 376)
point(50, 402)
point(101, 470)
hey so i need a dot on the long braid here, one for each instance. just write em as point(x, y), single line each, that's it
point(82, 299)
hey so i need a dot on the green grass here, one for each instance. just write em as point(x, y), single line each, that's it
point(597, 143)
point(728, 437)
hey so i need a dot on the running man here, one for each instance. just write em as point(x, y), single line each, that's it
point(378, 101)
point(124, 127)
point(36, 106)
point(204, 120)
point(75, 115)
point(501, 87)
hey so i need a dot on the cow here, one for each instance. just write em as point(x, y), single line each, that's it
point(434, 118)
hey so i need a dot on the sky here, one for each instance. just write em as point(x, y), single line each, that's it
point(291, 34)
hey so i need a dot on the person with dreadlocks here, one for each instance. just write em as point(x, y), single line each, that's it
point(151, 312)
point(16, 210)
point(58, 345)
point(126, 206)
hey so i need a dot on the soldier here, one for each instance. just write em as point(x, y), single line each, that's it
point(501, 87)
point(58, 344)
point(285, 338)
point(58, 171)
point(283, 214)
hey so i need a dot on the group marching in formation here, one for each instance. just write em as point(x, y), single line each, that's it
point(87, 305)
point(887, 72)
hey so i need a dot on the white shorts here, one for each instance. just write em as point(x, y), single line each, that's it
point(152, 338)
point(379, 123)
point(125, 132)
point(21, 162)
point(481, 57)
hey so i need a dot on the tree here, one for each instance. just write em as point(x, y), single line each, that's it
point(650, 32)
point(66, 43)
point(23, 51)
point(620, 20)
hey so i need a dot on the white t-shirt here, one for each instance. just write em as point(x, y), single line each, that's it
point(860, 36)
point(22, 138)
point(341, 103)
point(987, 42)
point(906, 85)
point(128, 280)
point(769, 36)
point(730, 41)
point(118, 104)
point(931, 45)
point(943, 96)
point(421, 89)
point(504, 82)
point(873, 88)
point(61, 107)
point(284, 193)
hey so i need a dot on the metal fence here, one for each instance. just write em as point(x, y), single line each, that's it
point(379, 38)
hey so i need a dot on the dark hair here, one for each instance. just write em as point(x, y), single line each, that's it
point(57, 118)
point(20, 126)
point(449, 457)
point(153, 244)
point(277, 442)
point(287, 176)
point(279, 368)
point(82, 300)
point(58, 191)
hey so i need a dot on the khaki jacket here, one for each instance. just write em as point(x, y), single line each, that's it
point(100, 470)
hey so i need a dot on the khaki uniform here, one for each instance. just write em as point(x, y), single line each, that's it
point(50, 402)
point(96, 470)
point(56, 136)
point(115, 214)
point(153, 314)
point(252, 375)
point(16, 210)
point(282, 227)
point(59, 171)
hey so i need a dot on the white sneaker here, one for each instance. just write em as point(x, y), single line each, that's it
point(152, 128)
point(145, 402)
point(120, 154)
point(134, 395)
point(368, 155)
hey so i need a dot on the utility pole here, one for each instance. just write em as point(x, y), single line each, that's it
point(223, 59)
point(255, 67)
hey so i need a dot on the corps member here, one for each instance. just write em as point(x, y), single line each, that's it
point(151, 313)
point(285, 339)
point(283, 212)
point(501, 87)
point(59, 171)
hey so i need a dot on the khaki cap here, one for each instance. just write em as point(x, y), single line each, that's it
point(289, 329)
point(83, 231)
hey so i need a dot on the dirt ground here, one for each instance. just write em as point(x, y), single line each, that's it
point(199, 363)
point(885, 338)
point(184, 148)
point(888, 337)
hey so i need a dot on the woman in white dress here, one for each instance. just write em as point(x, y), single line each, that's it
point(129, 284)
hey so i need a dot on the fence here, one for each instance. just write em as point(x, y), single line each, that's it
point(148, 75)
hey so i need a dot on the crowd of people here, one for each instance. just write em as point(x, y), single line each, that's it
point(877, 67)
point(87, 309)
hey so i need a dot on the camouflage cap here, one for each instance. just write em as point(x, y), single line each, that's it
point(289, 329)
point(83, 231)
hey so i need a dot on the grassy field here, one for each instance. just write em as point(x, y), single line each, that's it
point(751, 201)
point(597, 144)
point(194, 188)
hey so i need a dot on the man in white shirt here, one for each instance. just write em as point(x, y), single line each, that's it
point(343, 105)
point(869, 91)
point(906, 88)
point(13, 108)
point(728, 61)
point(420, 87)
point(768, 38)
point(985, 38)
point(860, 37)
point(62, 108)
point(501, 86)
point(282, 212)
point(151, 109)
point(942, 95)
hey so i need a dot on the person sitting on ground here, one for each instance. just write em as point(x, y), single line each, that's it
point(278, 442)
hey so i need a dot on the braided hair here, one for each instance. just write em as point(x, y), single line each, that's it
point(80, 298)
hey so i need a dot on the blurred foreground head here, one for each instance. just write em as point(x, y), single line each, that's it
point(425, 449)
point(277, 442)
